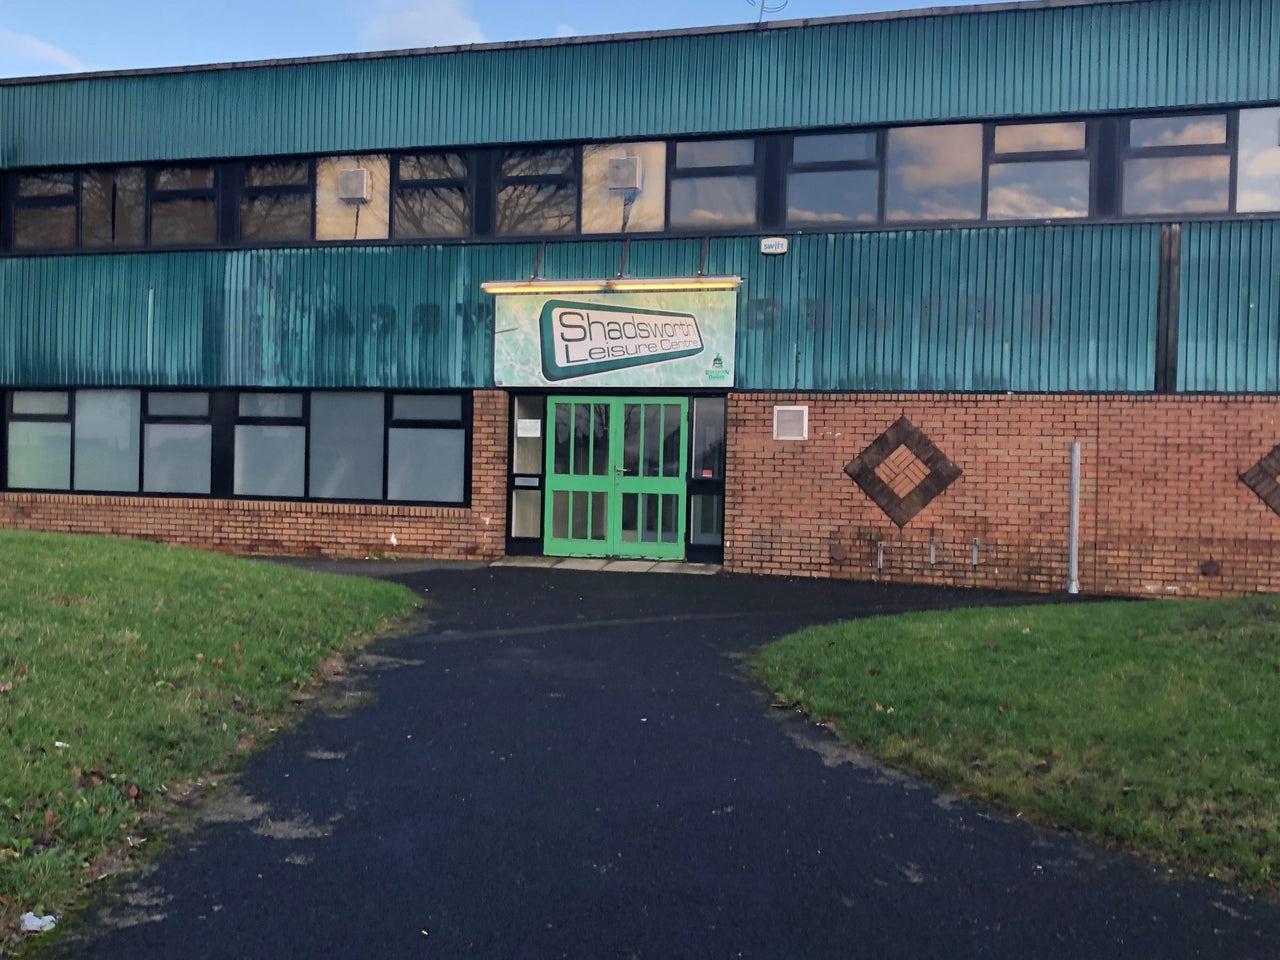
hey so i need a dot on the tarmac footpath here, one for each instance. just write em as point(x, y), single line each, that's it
point(573, 763)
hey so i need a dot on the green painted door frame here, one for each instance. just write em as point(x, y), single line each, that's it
point(615, 477)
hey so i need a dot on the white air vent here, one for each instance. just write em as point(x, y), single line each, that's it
point(624, 173)
point(791, 423)
point(353, 185)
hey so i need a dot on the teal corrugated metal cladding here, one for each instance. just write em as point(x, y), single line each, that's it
point(1229, 309)
point(1065, 308)
point(1041, 59)
point(411, 317)
point(1027, 309)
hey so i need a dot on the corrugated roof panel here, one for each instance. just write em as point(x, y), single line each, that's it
point(1037, 60)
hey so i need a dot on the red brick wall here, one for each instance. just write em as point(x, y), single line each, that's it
point(264, 527)
point(1162, 508)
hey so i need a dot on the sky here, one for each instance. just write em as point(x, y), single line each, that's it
point(39, 37)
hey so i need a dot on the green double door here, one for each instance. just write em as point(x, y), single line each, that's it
point(615, 477)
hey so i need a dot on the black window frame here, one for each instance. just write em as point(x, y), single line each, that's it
point(500, 180)
point(14, 203)
point(214, 194)
point(69, 418)
point(875, 164)
point(465, 183)
point(756, 169)
point(1088, 153)
point(115, 170)
point(1126, 151)
point(245, 192)
point(159, 419)
point(464, 422)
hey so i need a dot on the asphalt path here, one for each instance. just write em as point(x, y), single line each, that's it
point(567, 764)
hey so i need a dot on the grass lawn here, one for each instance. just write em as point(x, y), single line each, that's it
point(126, 667)
point(1154, 725)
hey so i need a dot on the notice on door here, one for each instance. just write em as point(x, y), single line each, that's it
point(676, 339)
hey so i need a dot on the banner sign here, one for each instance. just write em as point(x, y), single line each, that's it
point(659, 339)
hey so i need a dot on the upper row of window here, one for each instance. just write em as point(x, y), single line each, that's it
point(1198, 164)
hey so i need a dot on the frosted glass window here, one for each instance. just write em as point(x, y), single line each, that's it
point(270, 461)
point(281, 405)
point(47, 403)
point(526, 441)
point(705, 526)
point(526, 513)
point(346, 446)
point(1258, 173)
point(427, 465)
point(39, 455)
point(427, 406)
point(108, 439)
point(176, 457)
point(178, 404)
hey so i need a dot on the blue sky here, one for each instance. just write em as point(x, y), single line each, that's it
point(57, 36)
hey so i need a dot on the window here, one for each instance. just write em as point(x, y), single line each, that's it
point(713, 184)
point(934, 173)
point(113, 207)
point(1038, 171)
point(44, 211)
point(624, 187)
point(346, 446)
point(1177, 164)
point(177, 443)
point(287, 444)
point(432, 196)
point(182, 207)
point(276, 201)
point(1258, 179)
point(526, 466)
point(834, 179)
point(427, 449)
point(270, 445)
point(108, 447)
point(538, 192)
point(39, 443)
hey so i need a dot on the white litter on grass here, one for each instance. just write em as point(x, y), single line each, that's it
point(60, 745)
point(33, 924)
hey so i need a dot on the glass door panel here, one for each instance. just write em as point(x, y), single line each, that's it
point(616, 477)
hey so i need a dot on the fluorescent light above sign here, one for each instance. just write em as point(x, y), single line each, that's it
point(617, 284)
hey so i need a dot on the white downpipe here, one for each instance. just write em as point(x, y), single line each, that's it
point(1073, 552)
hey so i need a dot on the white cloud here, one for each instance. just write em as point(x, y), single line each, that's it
point(564, 30)
point(36, 51)
point(398, 24)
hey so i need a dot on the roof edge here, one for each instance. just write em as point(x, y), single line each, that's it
point(764, 26)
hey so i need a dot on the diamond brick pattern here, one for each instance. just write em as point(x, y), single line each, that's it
point(1261, 478)
point(902, 470)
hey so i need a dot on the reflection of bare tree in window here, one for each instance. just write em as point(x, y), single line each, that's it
point(537, 208)
point(432, 212)
point(547, 199)
point(275, 216)
point(112, 207)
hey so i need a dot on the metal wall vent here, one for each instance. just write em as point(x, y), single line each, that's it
point(791, 423)
point(624, 173)
point(353, 185)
